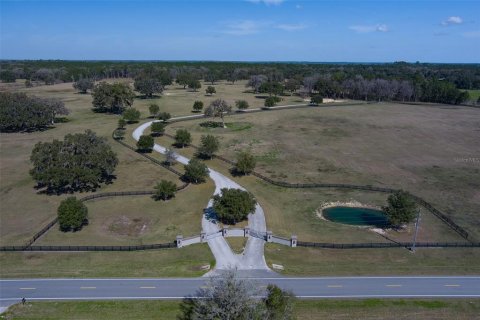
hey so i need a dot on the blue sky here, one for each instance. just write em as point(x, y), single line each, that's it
point(266, 30)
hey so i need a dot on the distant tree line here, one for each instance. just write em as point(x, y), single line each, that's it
point(380, 81)
point(19, 112)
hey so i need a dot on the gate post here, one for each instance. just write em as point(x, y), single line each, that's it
point(293, 241)
point(269, 236)
point(179, 241)
point(246, 232)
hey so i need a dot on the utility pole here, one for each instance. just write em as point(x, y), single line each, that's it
point(417, 223)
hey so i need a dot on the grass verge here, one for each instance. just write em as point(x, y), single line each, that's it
point(304, 309)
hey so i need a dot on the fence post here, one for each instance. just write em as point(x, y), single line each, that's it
point(224, 232)
point(179, 241)
point(293, 241)
point(269, 236)
point(246, 232)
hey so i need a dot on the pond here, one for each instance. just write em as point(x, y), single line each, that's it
point(356, 216)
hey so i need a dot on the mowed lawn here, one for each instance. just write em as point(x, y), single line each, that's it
point(427, 150)
point(391, 309)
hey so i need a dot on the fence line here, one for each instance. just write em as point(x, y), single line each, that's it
point(389, 245)
point(380, 245)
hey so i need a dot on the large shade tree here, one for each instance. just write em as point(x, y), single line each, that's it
point(81, 162)
point(233, 205)
point(113, 98)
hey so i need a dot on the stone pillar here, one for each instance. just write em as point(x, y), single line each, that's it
point(293, 241)
point(269, 236)
point(224, 232)
point(246, 232)
point(203, 237)
point(179, 241)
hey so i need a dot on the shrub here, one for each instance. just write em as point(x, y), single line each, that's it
point(132, 115)
point(72, 214)
point(157, 128)
point(154, 109)
point(270, 102)
point(401, 208)
point(121, 123)
point(182, 137)
point(210, 90)
point(145, 143)
point(83, 85)
point(165, 190)
point(242, 104)
point(316, 99)
point(195, 171)
point(209, 145)
point(245, 162)
point(164, 116)
point(197, 106)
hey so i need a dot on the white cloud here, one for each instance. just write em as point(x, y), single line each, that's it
point(472, 34)
point(291, 27)
point(244, 27)
point(369, 28)
point(267, 2)
point(298, 7)
point(452, 21)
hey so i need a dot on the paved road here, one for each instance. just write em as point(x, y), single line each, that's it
point(252, 257)
point(11, 291)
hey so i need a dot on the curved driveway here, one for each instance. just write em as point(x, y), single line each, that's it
point(252, 257)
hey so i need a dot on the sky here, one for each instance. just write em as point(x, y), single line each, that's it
point(242, 30)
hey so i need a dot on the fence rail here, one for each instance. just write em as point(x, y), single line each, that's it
point(389, 245)
point(90, 248)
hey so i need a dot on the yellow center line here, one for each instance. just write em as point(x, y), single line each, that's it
point(393, 285)
point(147, 287)
point(335, 286)
point(88, 287)
point(27, 288)
point(452, 285)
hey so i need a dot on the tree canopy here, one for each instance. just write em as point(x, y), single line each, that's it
point(182, 137)
point(145, 143)
point(197, 106)
point(245, 162)
point(19, 112)
point(132, 115)
point(401, 208)
point(148, 86)
point(157, 128)
point(81, 162)
point(242, 104)
point(210, 90)
point(113, 98)
point(84, 84)
point(153, 109)
point(233, 205)
point(196, 171)
point(209, 144)
point(72, 214)
point(218, 108)
point(165, 190)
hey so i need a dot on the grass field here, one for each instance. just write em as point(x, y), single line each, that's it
point(369, 262)
point(423, 149)
point(184, 262)
point(304, 309)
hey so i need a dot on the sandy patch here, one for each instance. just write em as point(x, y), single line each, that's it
point(125, 226)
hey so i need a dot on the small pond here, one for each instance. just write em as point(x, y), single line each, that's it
point(356, 216)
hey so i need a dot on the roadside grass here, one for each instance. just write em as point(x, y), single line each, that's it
point(422, 149)
point(388, 309)
point(237, 243)
point(373, 262)
point(183, 262)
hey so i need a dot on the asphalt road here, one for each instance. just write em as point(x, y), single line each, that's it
point(11, 291)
